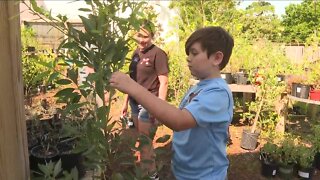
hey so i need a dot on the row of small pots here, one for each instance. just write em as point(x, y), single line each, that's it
point(271, 169)
point(242, 78)
point(237, 78)
point(305, 92)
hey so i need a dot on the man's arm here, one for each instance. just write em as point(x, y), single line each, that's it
point(169, 115)
point(163, 89)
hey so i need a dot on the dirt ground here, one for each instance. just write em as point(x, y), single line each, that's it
point(244, 164)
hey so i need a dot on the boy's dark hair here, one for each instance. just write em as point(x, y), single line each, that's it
point(148, 25)
point(212, 39)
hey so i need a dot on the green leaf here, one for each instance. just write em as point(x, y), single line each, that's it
point(85, 9)
point(53, 76)
point(64, 81)
point(72, 107)
point(87, 24)
point(64, 92)
point(57, 168)
point(70, 45)
point(101, 113)
point(41, 76)
point(74, 173)
point(73, 75)
point(117, 176)
point(45, 64)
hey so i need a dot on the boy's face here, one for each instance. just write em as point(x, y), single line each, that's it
point(200, 65)
point(143, 38)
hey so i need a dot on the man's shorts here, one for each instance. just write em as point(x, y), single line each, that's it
point(138, 110)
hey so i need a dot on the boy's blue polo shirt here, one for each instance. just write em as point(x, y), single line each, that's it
point(200, 152)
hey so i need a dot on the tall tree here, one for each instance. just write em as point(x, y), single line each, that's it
point(260, 21)
point(195, 14)
point(301, 21)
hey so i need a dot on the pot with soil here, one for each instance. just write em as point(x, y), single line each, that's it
point(268, 169)
point(306, 173)
point(280, 77)
point(42, 155)
point(70, 159)
point(241, 78)
point(317, 160)
point(315, 94)
point(249, 139)
point(305, 161)
point(227, 77)
point(268, 157)
point(300, 90)
point(286, 171)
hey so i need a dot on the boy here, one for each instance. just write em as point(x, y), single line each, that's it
point(201, 122)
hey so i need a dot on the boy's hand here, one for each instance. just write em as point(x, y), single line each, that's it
point(121, 81)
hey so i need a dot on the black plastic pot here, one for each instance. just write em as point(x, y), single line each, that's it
point(41, 155)
point(32, 141)
point(317, 161)
point(249, 140)
point(268, 169)
point(300, 90)
point(306, 173)
point(31, 49)
point(280, 77)
point(241, 78)
point(227, 77)
point(69, 160)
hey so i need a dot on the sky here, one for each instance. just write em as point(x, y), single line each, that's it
point(278, 4)
point(70, 8)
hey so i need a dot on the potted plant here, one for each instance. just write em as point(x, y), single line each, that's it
point(315, 140)
point(262, 111)
point(227, 76)
point(315, 91)
point(305, 159)
point(269, 156)
point(68, 141)
point(45, 152)
point(287, 160)
point(103, 45)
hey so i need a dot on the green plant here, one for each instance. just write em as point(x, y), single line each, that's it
point(103, 45)
point(270, 152)
point(53, 170)
point(264, 63)
point(288, 151)
point(32, 70)
point(315, 137)
point(305, 156)
point(179, 76)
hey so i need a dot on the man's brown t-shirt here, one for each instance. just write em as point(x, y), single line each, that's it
point(147, 65)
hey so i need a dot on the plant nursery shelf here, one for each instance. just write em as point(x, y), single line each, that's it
point(242, 88)
point(308, 101)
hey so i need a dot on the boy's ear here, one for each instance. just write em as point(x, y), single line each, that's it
point(217, 58)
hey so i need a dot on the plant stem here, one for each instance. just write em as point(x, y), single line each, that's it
point(255, 122)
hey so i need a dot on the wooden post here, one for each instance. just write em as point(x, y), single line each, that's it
point(13, 141)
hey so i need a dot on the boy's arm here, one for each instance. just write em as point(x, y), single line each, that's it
point(172, 117)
